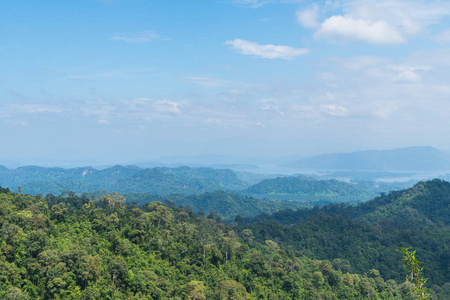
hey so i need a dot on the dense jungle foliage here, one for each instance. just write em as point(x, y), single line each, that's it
point(72, 247)
point(226, 204)
point(366, 235)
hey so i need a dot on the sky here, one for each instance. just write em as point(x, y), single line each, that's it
point(134, 80)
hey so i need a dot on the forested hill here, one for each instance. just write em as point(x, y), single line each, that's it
point(75, 248)
point(366, 234)
point(227, 205)
point(123, 179)
point(426, 203)
point(310, 190)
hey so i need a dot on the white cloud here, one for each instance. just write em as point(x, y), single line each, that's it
point(213, 120)
point(250, 3)
point(333, 110)
point(209, 82)
point(94, 76)
point(166, 106)
point(103, 122)
point(266, 51)
point(269, 105)
point(384, 109)
point(362, 61)
point(143, 37)
point(231, 94)
point(328, 76)
point(308, 18)
point(16, 122)
point(379, 32)
point(36, 108)
point(376, 21)
point(407, 76)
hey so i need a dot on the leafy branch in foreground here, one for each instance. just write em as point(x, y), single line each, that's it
point(414, 271)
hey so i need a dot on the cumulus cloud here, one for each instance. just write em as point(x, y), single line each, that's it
point(375, 22)
point(142, 37)
point(379, 32)
point(266, 51)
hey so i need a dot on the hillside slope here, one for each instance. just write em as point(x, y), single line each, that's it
point(74, 248)
point(368, 234)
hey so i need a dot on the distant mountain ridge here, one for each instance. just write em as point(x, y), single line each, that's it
point(122, 179)
point(186, 181)
point(402, 159)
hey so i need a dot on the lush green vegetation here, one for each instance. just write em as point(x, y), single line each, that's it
point(366, 235)
point(75, 248)
point(226, 204)
point(309, 190)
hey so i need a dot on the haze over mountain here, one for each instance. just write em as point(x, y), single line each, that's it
point(402, 159)
point(122, 179)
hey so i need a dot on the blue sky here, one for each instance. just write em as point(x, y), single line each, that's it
point(130, 80)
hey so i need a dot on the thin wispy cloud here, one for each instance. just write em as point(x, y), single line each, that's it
point(142, 37)
point(409, 74)
point(333, 110)
point(166, 106)
point(34, 108)
point(93, 76)
point(266, 51)
point(250, 3)
point(443, 37)
point(212, 82)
